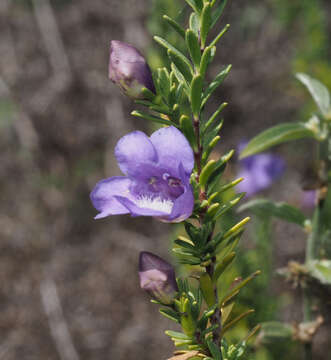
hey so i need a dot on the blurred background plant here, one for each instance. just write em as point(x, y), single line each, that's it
point(57, 268)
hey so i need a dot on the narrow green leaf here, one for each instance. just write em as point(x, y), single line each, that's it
point(186, 127)
point(196, 5)
point(170, 314)
point(205, 23)
point(241, 285)
point(226, 311)
point(218, 12)
point(237, 227)
point(168, 46)
point(215, 84)
point(214, 117)
point(214, 350)
point(181, 79)
point(223, 265)
point(205, 60)
point(230, 185)
point(318, 91)
point(212, 210)
point(218, 37)
point(206, 171)
point(177, 335)
point(282, 210)
point(163, 83)
point(220, 166)
point(195, 23)
point(184, 244)
point(184, 67)
point(210, 148)
point(193, 45)
point(276, 135)
point(179, 29)
point(235, 321)
point(152, 118)
point(207, 289)
point(196, 92)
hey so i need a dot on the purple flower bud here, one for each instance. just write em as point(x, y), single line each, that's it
point(157, 277)
point(129, 70)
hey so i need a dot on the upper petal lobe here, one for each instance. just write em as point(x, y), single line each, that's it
point(134, 149)
point(172, 149)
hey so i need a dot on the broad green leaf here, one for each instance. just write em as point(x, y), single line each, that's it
point(276, 135)
point(192, 42)
point(318, 91)
point(282, 210)
point(174, 25)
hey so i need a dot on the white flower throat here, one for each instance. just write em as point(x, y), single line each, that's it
point(155, 203)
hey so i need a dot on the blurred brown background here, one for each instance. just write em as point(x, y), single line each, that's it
point(68, 283)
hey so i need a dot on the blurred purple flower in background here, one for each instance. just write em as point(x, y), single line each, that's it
point(309, 198)
point(259, 172)
point(157, 277)
point(157, 181)
point(129, 69)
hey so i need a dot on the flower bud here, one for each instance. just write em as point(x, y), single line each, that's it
point(157, 277)
point(129, 70)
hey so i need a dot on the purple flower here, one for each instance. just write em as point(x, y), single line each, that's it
point(129, 70)
point(157, 181)
point(259, 172)
point(157, 277)
point(309, 198)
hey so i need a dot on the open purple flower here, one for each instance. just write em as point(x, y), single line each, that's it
point(129, 69)
point(259, 172)
point(157, 277)
point(157, 181)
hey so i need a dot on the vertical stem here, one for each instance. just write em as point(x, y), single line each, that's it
point(216, 317)
point(198, 153)
point(313, 239)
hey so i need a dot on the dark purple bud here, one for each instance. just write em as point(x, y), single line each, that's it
point(129, 69)
point(157, 277)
